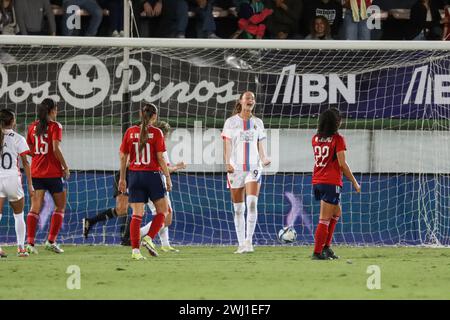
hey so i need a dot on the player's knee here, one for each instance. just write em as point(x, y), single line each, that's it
point(252, 202)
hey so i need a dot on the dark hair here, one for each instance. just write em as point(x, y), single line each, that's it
point(238, 107)
point(44, 109)
point(329, 121)
point(6, 119)
point(164, 126)
point(147, 112)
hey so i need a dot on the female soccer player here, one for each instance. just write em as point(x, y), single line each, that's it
point(244, 157)
point(329, 156)
point(145, 146)
point(48, 168)
point(13, 145)
point(164, 232)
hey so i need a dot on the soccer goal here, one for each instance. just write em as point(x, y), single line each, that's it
point(394, 96)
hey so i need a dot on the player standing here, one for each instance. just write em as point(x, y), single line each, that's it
point(244, 158)
point(13, 145)
point(145, 146)
point(329, 157)
point(48, 168)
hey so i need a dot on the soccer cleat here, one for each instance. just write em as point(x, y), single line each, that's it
point(53, 247)
point(31, 249)
point(319, 256)
point(328, 252)
point(169, 249)
point(147, 242)
point(86, 228)
point(21, 252)
point(138, 256)
point(241, 249)
point(3, 254)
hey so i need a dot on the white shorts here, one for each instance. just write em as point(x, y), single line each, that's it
point(11, 188)
point(152, 208)
point(239, 179)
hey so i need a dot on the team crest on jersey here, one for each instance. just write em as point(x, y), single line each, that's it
point(247, 136)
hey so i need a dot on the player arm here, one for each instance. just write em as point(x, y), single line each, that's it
point(347, 171)
point(162, 163)
point(262, 153)
point(227, 154)
point(179, 166)
point(123, 167)
point(27, 169)
point(60, 157)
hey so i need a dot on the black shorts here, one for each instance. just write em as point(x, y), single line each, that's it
point(328, 193)
point(53, 185)
point(116, 184)
point(144, 185)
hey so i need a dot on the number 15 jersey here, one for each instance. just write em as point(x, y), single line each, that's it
point(44, 163)
point(326, 165)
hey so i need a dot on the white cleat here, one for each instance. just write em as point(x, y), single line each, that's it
point(249, 247)
point(240, 249)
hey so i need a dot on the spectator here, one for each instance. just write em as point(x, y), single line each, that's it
point(355, 19)
point(284, 21)
point(330, 9)
point(95, 12)
point(148, 15)
point(30, 17)
point(205, 24)
point(320, 29)
point(251, 17)
point(115, 8)
point(424, 22)
point(8, 22)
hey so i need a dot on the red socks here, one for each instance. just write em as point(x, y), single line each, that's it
point(135, 235)
point(331, 227)
point(55, 225)
point(321, 235)
point(32, 220)
point(157, 223)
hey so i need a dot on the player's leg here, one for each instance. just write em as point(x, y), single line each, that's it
point(33, 216)
point(236, 184)
point(2, 202)
point(135, 224)
point(59, 195)
point(19, 224)
point(164, 232)
point(333, 221)
point(327, 209)
point(252, 190)
point(144, 230)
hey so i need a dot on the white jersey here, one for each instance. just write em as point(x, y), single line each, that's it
point(244, 136)
point(14, 145)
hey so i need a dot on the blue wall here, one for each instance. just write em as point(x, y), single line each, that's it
point(391, 209)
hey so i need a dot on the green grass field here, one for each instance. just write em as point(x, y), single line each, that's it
point(206, 272)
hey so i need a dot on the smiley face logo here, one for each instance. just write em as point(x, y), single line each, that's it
point(84, 81)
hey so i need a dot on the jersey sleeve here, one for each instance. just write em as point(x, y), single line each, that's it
point(160, 144)
point(57, 132)
point(340, 143)
point(261, 131)
point(22, 146)
point(226, 132)
point(125, 146)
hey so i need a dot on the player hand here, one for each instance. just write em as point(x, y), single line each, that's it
point(230, 168)
point(266, 162)
point(122, 186)
point(181, 165)
point(31, 191)
point(357, 187)
point(168, 184)
point(66, 173)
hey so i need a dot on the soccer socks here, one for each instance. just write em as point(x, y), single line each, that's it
point(321, 235)
point(32, 220)
point(107, 214)
point(55, 225)
point(135, 225)
point(164, 236)
point(252, 216)
point(19, 224)
point(145, 229)
point(331, 227)
point(157, 223)
point(239, 221)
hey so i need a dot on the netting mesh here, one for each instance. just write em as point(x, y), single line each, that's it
point(396, 125)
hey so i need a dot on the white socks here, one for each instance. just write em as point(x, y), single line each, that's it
point(20, 229)
point(239, 221)
point(163, 234)
point(144, 229)
point(252, 215)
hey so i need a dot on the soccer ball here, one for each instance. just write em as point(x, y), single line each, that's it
point(287, 235)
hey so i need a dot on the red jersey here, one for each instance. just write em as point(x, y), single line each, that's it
point(145, 159)
point(44, 163)
point(326, 166)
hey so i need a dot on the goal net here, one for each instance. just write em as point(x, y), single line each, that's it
point(395, 105)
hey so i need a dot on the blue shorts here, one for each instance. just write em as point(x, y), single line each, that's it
point(53, 185)
point(328, 193)
point(144, 185)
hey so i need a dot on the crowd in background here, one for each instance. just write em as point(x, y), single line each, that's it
point(247, 19)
